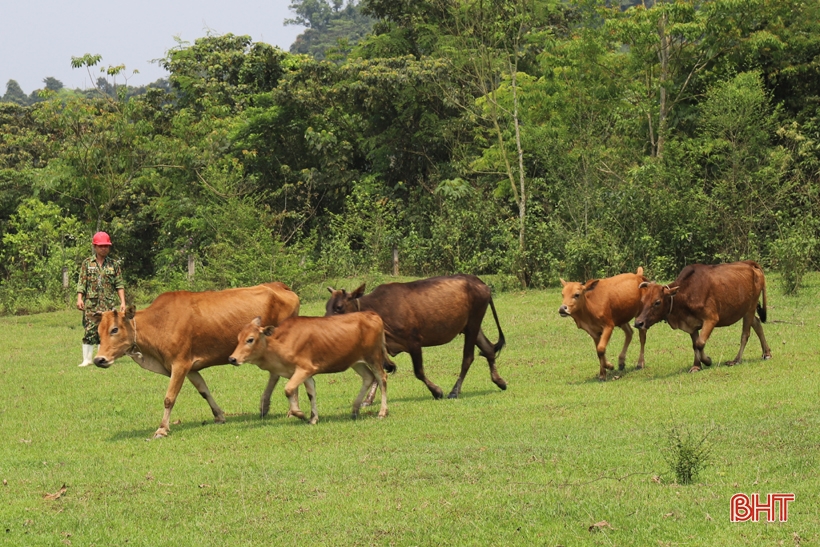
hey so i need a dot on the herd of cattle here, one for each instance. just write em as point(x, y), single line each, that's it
point(182, 332)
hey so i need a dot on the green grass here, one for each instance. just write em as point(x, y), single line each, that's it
point(538, 464)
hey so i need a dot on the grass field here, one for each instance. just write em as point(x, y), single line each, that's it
point(538, 464)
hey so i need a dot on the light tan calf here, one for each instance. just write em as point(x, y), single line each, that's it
point(301, 347)
point(600, 305)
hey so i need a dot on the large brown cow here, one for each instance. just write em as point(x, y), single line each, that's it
point(182, 332)
point(429, 312)
point(600, 305)
point(707, 296)
point(301, 347)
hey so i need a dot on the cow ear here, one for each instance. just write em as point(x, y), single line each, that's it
point(673, 291)
point(330, 290)
point(267, 331)
point(257, 321)
point(358, 292)
point(639, 271)
point(643, 285)
point(563, 283)
point(97, 317)
point(589, 285)
point(130, 312)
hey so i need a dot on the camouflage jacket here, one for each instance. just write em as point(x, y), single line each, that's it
point(100, 283)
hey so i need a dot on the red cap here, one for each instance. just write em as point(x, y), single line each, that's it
point(101, 238)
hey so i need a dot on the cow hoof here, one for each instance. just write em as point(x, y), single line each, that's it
point(382, 415)
point(707, 361)
point(297, 413)
point(500, 383)
point(438, 395)
point(453, 395)
point(354, 416)
point(767, 356)
point(219, 419)
point(602, 378)
point(730, 363)
point(694, 369)
point(160, 433)
point(366, 403)
point(639, 366)
point(621, 366)
point(314, 420)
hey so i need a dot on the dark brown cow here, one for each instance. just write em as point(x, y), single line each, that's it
point(301, 347)
point(182, 332)
point(429, 312)
point(704, 297)
point(600, 305)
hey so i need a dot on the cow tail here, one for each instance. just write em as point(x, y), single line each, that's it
point(389, 366)
point(761, 310)
point(501, 341)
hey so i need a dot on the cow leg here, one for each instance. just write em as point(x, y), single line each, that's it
point(467, 358)
point(178, 373)
point(600, 346)
point(264, 403)
point(367, 380)
point(292, 389)
point(744, 338)
point(627, 340)
point(202, 388)
point(642, 337)
point(758, 327)
point(418, 370)
point(486, 349)
point(699, 339)
point(310, 387)
point(368, 400)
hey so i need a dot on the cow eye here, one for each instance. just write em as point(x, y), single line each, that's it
point(249, 340)
point(657, 302)
point(115, 330)
point(577, 295)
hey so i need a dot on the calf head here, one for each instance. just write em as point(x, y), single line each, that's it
point(252, 342)
point(342, 302)
point(116, 335)
point(656, 304)
point(573, 294)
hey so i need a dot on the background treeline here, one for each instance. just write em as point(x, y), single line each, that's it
point(518, 139)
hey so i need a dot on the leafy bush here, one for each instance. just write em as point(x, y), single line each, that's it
point(40, 242)
point(791, 254)
point(687, 454)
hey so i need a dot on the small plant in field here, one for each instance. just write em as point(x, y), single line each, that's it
point(686, 453)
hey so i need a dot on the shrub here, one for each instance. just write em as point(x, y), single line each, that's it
point(686, 453)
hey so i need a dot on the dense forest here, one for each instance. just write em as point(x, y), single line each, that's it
point(527, 139)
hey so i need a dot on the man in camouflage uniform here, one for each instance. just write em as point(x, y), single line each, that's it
point(99, 288)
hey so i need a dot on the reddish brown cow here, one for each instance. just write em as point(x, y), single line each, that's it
point(301, 347)
point(600, 305)
point(182, 332)
point(429, 312)
point(707, 296)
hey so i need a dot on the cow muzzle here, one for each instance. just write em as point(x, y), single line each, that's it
point(563, 312)
point(234, 361)
point(640, 324)
point(102, 362)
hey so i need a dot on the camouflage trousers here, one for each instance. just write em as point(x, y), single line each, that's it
point(90, 333)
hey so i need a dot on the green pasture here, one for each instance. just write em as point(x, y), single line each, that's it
point(538, 464)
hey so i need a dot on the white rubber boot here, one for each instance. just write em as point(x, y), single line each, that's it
point(88, 355)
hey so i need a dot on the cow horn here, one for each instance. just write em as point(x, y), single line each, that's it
point(330, 290)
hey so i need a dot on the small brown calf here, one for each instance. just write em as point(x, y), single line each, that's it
point(301, 347)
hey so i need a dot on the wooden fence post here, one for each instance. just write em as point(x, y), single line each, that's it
point(191, 267)
point(395, 260)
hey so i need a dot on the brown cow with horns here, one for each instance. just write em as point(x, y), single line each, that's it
point(183, 332)
point(707, 296)
point(429, 312)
